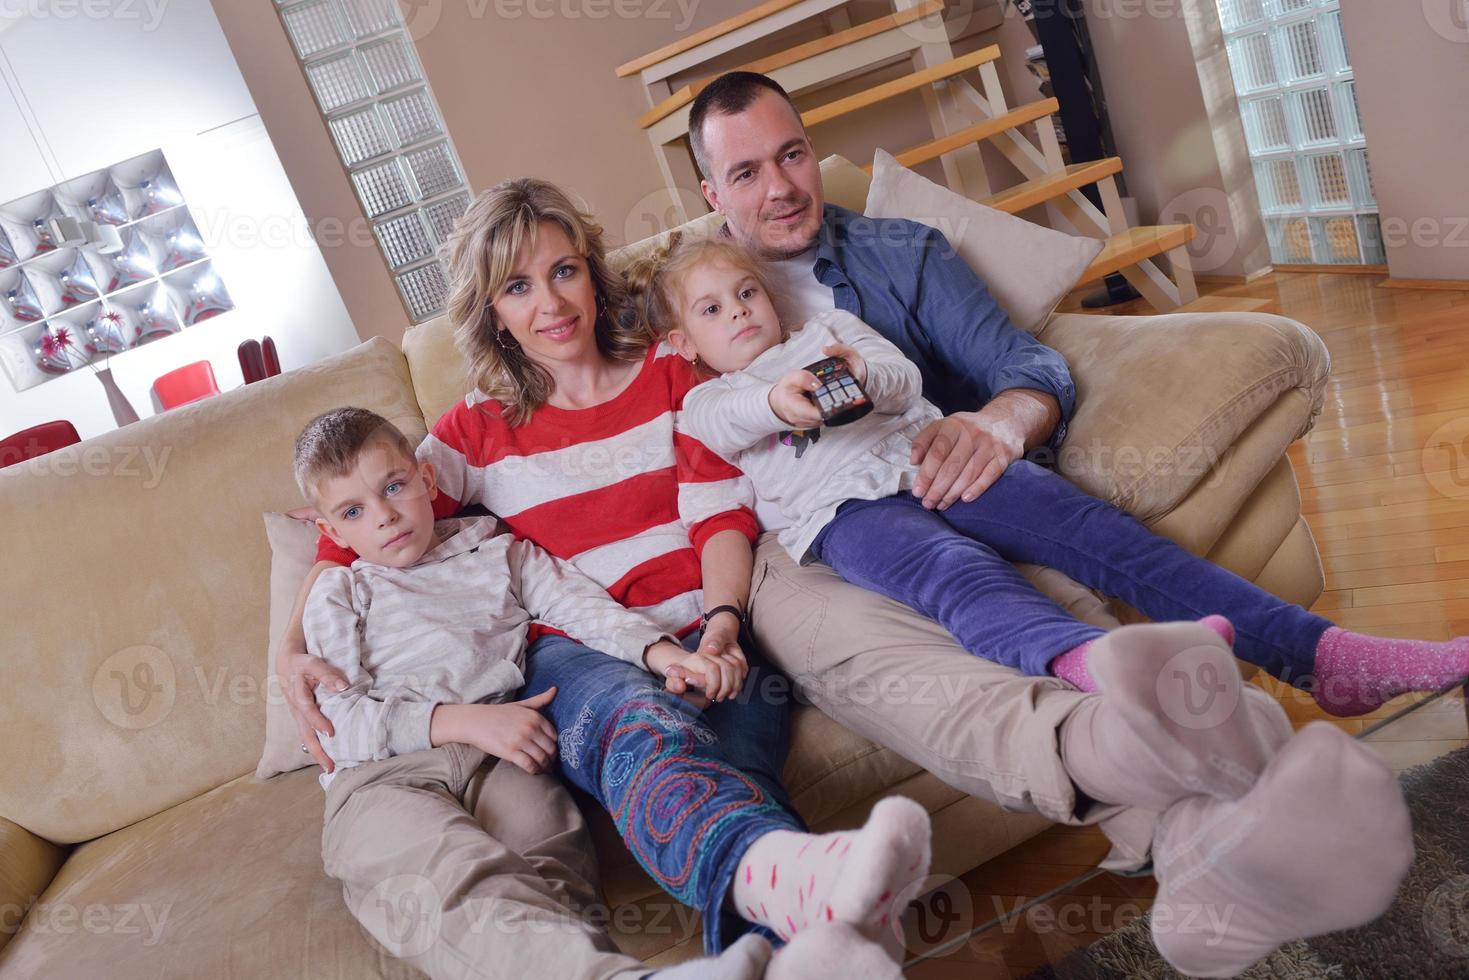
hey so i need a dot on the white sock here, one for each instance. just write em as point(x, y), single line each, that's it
point(834, 951)
point(792, 882)
point(1319, 844)
point(746, 959)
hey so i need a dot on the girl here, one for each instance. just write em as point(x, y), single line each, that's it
point(840, 495)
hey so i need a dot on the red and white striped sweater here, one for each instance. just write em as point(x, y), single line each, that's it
point(618, 490)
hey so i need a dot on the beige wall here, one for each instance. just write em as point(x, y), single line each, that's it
point(1412, 65)
point(295, 126)
point(527, 93)
point(1180, 164)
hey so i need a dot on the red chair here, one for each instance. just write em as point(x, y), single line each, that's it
point(37, 441)
point(272, 362)
point(252, 362)
point(190, 383)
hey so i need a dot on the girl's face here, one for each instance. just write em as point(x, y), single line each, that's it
point(726, 318)
point(549, 303)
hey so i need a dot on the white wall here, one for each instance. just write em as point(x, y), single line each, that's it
point(84, 93)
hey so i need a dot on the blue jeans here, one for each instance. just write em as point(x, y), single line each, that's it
point(689, 791)
point(954, 567)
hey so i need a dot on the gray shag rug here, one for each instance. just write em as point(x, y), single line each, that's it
point(1425, 934)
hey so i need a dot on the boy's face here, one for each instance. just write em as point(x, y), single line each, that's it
point(382, 509)
point(727, 318)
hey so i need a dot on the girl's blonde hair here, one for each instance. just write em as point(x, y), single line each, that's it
point(654, 281)
point(481, 255)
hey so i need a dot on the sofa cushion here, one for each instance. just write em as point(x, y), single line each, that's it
point(230, 883)
point(227, 884)
point(292, 553)
point(1162, 399)
point(148, 647)
point(1027, 267)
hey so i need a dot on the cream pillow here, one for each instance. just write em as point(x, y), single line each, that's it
point(292, 553)
point(1027, 268)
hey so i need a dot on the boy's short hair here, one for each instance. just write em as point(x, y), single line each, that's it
point(331, 443)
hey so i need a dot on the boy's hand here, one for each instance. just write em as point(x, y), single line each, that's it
point(717, 668)
point(790, 401)
point(515, 732)
point(854, 360)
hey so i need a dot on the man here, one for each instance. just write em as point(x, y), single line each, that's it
point(1129, 758)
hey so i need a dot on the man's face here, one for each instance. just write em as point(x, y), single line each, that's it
point(764, 178)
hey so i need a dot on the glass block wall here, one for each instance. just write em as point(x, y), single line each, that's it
point(360, 64)
point(1298, 98)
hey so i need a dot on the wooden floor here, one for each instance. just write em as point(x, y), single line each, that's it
point(1384, 479)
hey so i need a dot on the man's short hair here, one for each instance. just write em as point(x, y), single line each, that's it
point(331, 443)
point(729, 94)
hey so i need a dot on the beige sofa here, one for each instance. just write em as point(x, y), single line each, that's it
point(134, 840)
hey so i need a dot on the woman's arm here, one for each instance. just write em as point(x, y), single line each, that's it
point(727, 563)
point(300, 673)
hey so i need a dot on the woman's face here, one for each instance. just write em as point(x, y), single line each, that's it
point(549, 303)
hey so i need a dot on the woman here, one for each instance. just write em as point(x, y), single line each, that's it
point(569, 437)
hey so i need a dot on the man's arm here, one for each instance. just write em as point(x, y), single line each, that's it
point(1031, 394)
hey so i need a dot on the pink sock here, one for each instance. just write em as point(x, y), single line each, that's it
point(1071, 666)
point(792, 882)
point(1357, 673)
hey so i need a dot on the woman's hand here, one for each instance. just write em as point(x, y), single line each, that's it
point(790, 401)
point(717, 668)
point(300, 673)
point(855, 362)
point(516, 732)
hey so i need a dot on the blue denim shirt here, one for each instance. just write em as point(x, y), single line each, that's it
point(906, 281)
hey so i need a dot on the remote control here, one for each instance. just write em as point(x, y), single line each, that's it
point(840, 398)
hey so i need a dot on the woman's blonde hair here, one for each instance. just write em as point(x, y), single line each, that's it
point(654, 281)
point(481, 254)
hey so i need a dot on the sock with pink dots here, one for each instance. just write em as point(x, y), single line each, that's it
point(792, 882)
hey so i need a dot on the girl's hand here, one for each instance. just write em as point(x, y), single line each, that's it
point(854, 360)
point(718, 676)
point(790, 401)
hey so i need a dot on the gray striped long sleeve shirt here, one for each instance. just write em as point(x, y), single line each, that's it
point(449, 629)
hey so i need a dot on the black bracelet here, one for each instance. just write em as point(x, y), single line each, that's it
point(739, 616)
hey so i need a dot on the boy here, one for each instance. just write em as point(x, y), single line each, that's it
point(430, 627)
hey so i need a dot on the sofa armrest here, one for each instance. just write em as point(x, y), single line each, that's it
point(1162, 399)
point(27, 865)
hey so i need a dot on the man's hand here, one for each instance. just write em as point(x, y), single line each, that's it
point(964, 454)
point(960, 455)
point(790, 402)
point(717, 668)
point(300, 673)
point(516, 732)
point(855, 362)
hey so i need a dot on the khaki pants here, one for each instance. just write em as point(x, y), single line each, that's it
point(899, 679)
point(464, 866)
